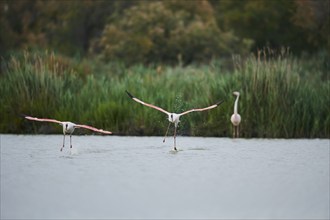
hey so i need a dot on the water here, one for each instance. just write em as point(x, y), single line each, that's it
point(140, 177)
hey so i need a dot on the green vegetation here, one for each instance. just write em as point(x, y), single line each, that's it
point(168, 32)
point(159, 31)
point(281, 96)
point(175, 54)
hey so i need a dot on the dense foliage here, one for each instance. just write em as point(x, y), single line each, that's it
point(302, 24)
point(281, 96)
point(175, 54)
point(163, 31)
point(168, 31)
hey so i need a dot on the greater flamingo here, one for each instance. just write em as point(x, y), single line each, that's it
point(236, 118)
point(172, 117)
point(68, 127)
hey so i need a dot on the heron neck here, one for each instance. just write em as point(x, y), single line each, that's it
point(235, 106)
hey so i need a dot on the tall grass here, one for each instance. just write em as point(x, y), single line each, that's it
point(280, 98)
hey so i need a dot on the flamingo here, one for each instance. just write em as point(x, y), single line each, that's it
point(68, 127)
point(172, 117)
point(236, 118)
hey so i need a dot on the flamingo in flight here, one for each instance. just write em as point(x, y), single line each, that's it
point(236, 118)
point(173, 117)
point(68, 127)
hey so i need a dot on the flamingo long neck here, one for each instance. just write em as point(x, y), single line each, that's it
point(235, 106)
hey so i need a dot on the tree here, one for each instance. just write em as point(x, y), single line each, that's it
point(17, 21)
point(64, 26)
point(165, 31)
point(313, 18)
point(303, 25)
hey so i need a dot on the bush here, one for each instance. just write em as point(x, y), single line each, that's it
point(169, 32)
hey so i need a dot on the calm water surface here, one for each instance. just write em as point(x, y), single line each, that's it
point(140, 177)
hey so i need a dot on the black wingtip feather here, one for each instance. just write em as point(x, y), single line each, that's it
point(22, 115)
point(220, 102)
point(129, 94)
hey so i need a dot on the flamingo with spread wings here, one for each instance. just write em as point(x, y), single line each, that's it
point(68, 127)
point(173, 117)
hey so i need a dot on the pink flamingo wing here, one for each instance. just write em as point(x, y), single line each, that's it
point(150, 105)
point(201, 109)
point(42, 119)
point(93, 129)
point(146, 104)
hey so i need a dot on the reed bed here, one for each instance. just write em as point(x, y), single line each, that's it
point(281, 96)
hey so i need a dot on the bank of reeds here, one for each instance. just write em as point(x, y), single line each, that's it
point(281, 96)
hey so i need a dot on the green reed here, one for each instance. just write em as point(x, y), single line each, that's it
point(280, 98)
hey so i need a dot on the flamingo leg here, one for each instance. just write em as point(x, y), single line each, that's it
point(175, 138)
point(234, 131)
point(238, 131)
point(63, 142)
point(166, 131)
point(70, 141)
